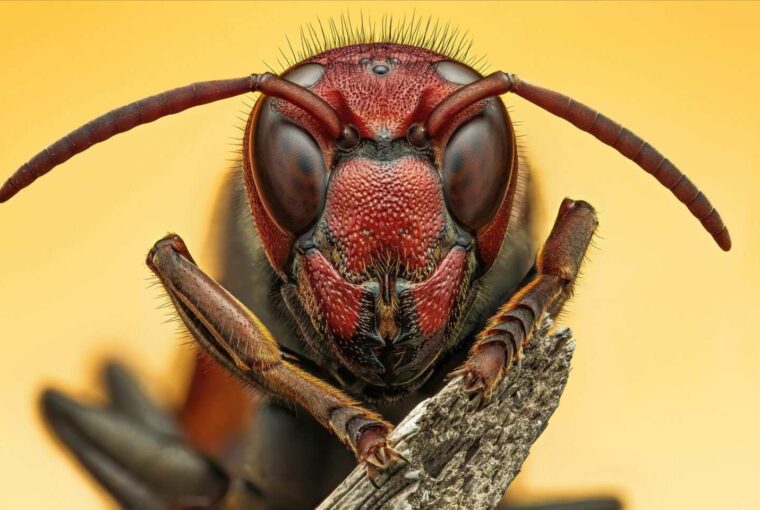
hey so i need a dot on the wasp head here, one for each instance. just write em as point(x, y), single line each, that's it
point(383, 236)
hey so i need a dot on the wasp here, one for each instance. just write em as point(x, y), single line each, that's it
point(387, 247)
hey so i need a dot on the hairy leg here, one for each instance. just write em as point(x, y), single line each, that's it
point(236, 339)
point(502, 340)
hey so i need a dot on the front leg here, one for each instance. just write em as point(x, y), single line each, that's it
point(511, 328)
point(236, 338)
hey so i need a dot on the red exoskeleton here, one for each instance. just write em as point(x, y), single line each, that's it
point(390, 205)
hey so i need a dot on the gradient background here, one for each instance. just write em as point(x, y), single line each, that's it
point(662, 405)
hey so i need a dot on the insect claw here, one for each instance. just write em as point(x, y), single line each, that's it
point(476, 399)
point(382, 456)
point(398, 454)
point(374, 460)
point(473, 384)
point(459, 372)
point(372, 474)
point(457, 378)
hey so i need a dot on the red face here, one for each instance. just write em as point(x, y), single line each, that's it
point(385, 240)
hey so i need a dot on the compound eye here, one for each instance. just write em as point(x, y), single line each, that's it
point(476, 167)
point(289, 171)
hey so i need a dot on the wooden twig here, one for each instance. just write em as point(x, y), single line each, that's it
point(461, 456)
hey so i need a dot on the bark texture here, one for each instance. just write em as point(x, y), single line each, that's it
point(461, 455)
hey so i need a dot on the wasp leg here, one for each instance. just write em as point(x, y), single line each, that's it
point(133, 450)
point(506, 334)
point(127, 397)
point(236, 339)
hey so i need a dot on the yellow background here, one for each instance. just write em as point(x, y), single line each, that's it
point(662, 405)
